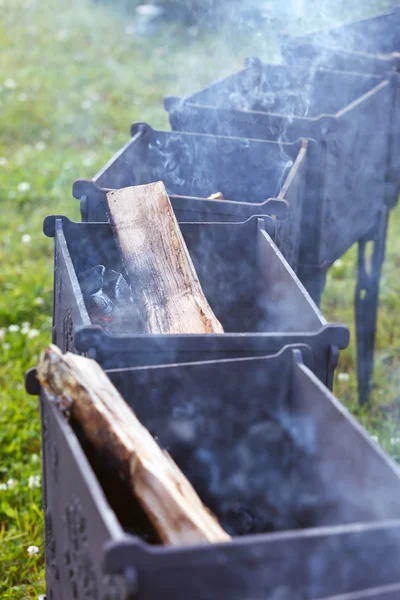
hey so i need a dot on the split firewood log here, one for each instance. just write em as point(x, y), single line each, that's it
point(165, 285)
point(83, 390)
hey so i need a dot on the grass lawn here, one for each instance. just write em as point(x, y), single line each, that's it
point(73, 78)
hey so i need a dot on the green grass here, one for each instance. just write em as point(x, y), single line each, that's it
point(73, 78)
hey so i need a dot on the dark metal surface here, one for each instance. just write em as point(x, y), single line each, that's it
point(349, 117)
point(374, 36)
point(307, 51)
point(77, 517)
point(387, 592)
point(316, 53)
point(336, 531)
point(187, 209)
point(255, 177)
point(353, 170)
point(251, 289)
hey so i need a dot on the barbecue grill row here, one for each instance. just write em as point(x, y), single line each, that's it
point(307, 161)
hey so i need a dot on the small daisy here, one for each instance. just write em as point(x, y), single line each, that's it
point(3, 487)
point(34, 481)
point(26, 238)
point(343, 376)
point(34, 458)
point(39, 301)
point(11, 483)
point(13, 328)
point(10, 84)
point(32, 550)
point(86, 104)
point(338, 263)
point(32, 333)
point(40, 146)
point(24, 186)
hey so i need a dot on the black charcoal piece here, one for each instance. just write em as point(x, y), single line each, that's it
point(92, 280)
point(102, 302)
point(116, 286)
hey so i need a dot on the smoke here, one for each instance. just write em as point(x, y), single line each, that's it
point(250, 457)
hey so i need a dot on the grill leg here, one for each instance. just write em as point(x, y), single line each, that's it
point(366, 301)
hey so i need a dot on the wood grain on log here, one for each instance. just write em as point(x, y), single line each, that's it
point(162, 276)
point(110, 425)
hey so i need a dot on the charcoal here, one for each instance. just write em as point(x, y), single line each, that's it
point(102, 302)
point(92, 280)
point(287, 102)
point(116, 286)
point(109, 300)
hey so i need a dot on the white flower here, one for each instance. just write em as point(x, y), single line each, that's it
point(86, 104)
point(26, 324)
point(23, 97)
point(11, 483)
point(24, 186)
point(32, 333)
point(13, 328)
point(338, 263)
point(34, 481)
point(3, 161)
point(32, 550)
point(26, 238)
point(6, 346)
point(395, 441)
point(3, 487)
point(10, 84)
point(343, 376)
point(34, 458)
point(40, 146)
point(2, 333)
point(375, 438)
point(39, 301)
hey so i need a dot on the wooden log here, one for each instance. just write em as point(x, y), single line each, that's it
point(110, 425)
point(162, 276)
